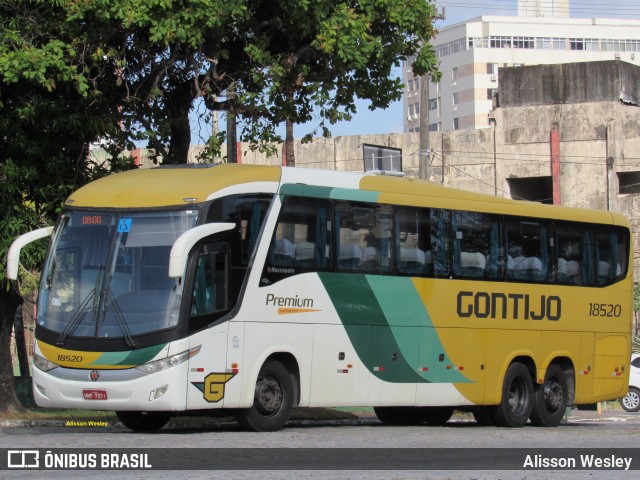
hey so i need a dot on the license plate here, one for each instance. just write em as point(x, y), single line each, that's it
point(94, 394)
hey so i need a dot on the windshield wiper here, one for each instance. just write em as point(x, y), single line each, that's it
point(77, 317)
point(122, 323)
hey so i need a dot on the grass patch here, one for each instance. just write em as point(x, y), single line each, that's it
point(54, 414)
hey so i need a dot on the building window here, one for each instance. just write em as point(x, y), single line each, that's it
point(491, 92)
point(455, 99)
point(500, 42)
point(410, 112)
point(629, 182)
point(559, 43)
point(456, 123)
point(417, 83)
point(492, 68)
point(583, 44)
point(433, 104)
point(454, 74)
point(377, 157)
point(523, 42)
point(544, 43)
point(433, 127)
point(535, 189)
point(410, 87)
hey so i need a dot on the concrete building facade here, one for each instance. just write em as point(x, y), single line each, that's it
point(471, 54)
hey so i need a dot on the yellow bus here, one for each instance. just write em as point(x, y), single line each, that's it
point(261, 289)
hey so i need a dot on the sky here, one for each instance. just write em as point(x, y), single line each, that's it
point(389, 120)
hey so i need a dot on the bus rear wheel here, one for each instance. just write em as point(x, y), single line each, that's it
point(550, 398)
point(517, 398)
point(143, 421)
point(272, 401)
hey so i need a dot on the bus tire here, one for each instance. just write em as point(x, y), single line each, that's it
point(272, 402)
point(143, 421)
point(517, 398)
point(482, 415)
point(437, 415)
point(399, 415)
point(550, 398)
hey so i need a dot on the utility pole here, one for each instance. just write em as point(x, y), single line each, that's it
point(425, 147)
point(231, 128)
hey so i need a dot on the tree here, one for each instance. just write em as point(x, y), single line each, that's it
point(283, 59)
point(49, 113)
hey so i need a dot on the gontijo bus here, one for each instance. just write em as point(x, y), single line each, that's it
point(259, 289)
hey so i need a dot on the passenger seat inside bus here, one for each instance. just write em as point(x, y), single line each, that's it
point(411, 261)
point(569, 271)
point(527, 268)
point(304, 254)
point(350, 257)
point(604, 272)
point(283, 254)
point(473, 264)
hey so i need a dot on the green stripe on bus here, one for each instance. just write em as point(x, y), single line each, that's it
point(412, 328)
point(298, 190)
point(131, 357)
point(329, 192)
point(401, 340)
point(354, 195)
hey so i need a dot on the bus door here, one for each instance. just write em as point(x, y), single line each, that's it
point(209, 300)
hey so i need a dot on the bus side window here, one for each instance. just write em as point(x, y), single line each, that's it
point(302, 239)
point(529, 249)
point(477, 245)
point(611, 251)
point(364, 234)
point(211, 285)
point(440, 226)
point(413, 242)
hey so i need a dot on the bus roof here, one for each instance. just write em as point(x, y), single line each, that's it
point(182, 184)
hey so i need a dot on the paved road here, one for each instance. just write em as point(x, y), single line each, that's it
point(583, 430)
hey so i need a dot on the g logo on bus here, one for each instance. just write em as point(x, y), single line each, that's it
point(213, 386)
point(94, 375)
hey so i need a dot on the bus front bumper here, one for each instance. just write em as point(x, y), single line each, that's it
point(111, 389)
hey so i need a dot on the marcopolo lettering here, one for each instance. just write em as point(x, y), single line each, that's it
point(289, 301)
point(518, 306)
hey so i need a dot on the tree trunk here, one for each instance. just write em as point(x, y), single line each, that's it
point(288, 145)
point(232, 138)
point(178, 105)
point(9, 302)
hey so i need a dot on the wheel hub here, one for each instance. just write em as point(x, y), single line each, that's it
point(268, 395)
point(553, 395)
point(631, 400)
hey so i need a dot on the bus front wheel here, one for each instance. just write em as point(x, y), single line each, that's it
point(550, 398)
point(272, 401)
point(143, 421)
point(517, 398)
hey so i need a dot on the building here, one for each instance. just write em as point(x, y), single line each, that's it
point(471, 53)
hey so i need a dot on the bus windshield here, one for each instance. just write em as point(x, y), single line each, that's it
point(107, 274)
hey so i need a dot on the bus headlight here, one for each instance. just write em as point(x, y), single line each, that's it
point(165, 363)
point(43, 364)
